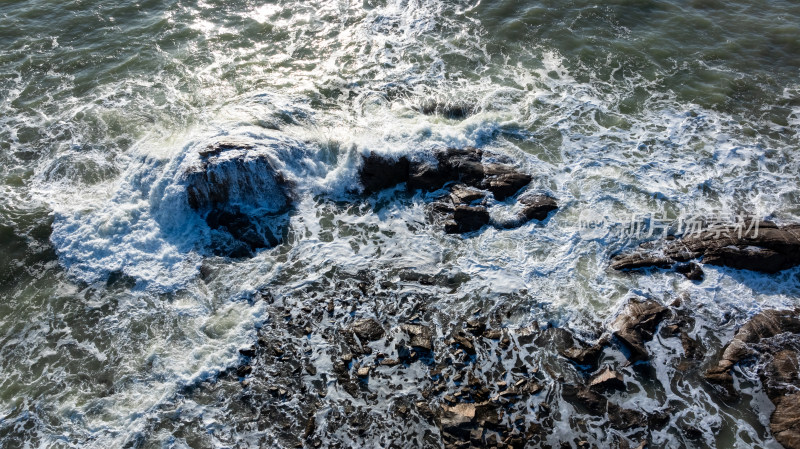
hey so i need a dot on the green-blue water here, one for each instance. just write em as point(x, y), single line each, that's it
point(617, 108)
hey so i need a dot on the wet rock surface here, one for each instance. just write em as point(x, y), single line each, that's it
point(358, 361)
point(767, 248)
point(770, 342)
point(243, 199)
point(469, 179)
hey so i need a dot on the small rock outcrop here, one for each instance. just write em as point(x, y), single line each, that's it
point(768, 248)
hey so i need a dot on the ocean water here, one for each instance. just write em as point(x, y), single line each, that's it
point(112, 309)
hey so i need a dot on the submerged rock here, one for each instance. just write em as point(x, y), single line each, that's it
point(768, 249)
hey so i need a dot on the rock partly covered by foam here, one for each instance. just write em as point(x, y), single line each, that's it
point(236, 189)
point(767, 248)
point(470, 180)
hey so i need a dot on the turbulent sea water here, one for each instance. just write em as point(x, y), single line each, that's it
point(114, 316)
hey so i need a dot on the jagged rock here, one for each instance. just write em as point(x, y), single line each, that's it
point(242, 197)
point(691, 271)
point(781, 374)
point(379, 172)
point(785, 421)
point(467, 219)
point(503, 181)
point(764, 325)
point(363, 371)
point(607, 379)
point(421, 336)
point(767, 249)
point(367, 329)
point(460, 418)
point(537, 207)
point(586, 398)
point(636, 325)
point(463, 195)
point(585, 356)
point(624, 419)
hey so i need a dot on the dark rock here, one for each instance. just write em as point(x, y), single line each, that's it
point(367, 329)
point(467, 219)
point(426, 176)
point(624, 419)
point(585, 356)
point(636, 325)
point(463, 195)
point(768, 249)
point(248, 352)
point(504, 181)
point(691, 270)
point(607, 379)
point(230, 183)
point(637, 260)
point(583, 397)
point(537, 207)
point(379, 172)
point(421, 336)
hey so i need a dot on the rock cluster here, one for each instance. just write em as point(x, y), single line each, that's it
point(469, 179)
point(773, 336)
point(242, 198)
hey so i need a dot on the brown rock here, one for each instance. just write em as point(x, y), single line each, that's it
point(607, 379)
point(382, 172)
point(785, 421)
point(636, 325)
point(367, 329)
point(420, 336)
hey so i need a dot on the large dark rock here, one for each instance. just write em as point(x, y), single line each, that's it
point(767, 249)
point(467, 219)
point(378, 172)
point(537, 207)
point(367, 329)
point(464, 165)
point(636, 325)
point(242, 197)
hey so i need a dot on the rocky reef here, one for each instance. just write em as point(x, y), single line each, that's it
point(468, 178)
